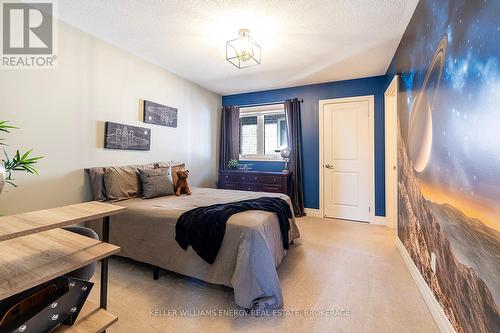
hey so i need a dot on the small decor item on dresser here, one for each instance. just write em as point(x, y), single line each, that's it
point(121, 136)
point(232, 164)
point(182, 184)
point(285, 154)
point(44, 307)
point(158, 114)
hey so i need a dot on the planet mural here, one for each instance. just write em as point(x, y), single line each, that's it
point(449, 156)
point(420, 124)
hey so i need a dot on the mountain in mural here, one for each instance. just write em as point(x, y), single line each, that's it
point(473, 243)
point(462, 293)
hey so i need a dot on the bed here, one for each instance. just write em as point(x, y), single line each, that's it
point(247, 260)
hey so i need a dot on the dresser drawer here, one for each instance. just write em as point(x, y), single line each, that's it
point(229, 177)
point(250, 187)
point(249, 178)
point(272, 188)
point(260, 179)
point(271, 179)
point(227, 185)
point(256, 181)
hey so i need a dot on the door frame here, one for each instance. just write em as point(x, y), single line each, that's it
point(391, 92)
point(371, 136)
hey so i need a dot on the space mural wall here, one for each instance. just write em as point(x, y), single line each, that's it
point(449, 155)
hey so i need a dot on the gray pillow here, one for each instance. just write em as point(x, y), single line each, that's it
point(96, 178)
point(156, 182)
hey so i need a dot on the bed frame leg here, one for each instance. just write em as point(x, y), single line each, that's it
point(156, 272)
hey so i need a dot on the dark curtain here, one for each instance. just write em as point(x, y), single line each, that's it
point(229, 135)
point(292, 112)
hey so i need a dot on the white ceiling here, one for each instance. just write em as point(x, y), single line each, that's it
point(303, 41)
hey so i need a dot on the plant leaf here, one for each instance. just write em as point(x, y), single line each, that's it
point(10, 182)
point(5, 128)
point(26, 154)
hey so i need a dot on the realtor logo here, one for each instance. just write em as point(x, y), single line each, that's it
point(28, 35)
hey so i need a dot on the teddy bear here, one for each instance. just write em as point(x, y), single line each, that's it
point(182, 185)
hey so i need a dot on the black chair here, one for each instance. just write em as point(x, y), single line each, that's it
point(87, 272)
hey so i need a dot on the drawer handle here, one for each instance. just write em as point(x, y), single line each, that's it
point(243, 177)
point(274, 180)
point(227, 177)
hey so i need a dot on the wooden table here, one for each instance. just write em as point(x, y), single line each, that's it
point(35, 251)
point(14, 226)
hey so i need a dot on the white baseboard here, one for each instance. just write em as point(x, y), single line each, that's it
point(312, 212)
point(435, 308)
point(379, 220)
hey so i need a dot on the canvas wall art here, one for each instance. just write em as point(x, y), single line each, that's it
point(158, 114)
point(449, 155)
point(121, 136)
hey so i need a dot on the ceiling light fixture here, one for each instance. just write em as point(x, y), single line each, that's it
point(243, 51)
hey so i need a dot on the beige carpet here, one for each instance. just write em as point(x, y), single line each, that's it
point(339, 277)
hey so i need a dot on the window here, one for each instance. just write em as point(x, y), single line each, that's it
point(262, 132)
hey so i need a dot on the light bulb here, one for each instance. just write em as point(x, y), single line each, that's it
point(244, 50)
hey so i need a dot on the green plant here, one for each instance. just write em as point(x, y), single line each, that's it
point(4, 127)
point(20, 162)
point(232, 164)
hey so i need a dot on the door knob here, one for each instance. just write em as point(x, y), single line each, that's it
point(329, 166)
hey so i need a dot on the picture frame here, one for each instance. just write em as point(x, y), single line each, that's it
point(158, 114)
point(126, 137)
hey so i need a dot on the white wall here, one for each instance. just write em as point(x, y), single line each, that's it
point(61, 114)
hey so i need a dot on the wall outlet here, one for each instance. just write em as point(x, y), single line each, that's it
point(433, 262)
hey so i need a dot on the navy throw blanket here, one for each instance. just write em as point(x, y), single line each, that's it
point(204, 227)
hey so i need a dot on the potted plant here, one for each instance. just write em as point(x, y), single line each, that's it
point(232, 164)
point(19, 162)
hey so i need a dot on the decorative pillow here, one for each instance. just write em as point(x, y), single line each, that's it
point(165, 164)
point(173, 172)
point(162, 165)
point(96, 177)
point(156, 182)
point(122, 183)
point(148, 166)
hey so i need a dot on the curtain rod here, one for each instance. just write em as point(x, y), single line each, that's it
point(264, 104)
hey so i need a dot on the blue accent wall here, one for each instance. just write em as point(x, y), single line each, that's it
point(311, 94)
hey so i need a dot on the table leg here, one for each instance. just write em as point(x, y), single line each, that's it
point(104, 265)
point(105, 229)
point(156, 273)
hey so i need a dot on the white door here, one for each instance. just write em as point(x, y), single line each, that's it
point(391, 180)
point(346, 160)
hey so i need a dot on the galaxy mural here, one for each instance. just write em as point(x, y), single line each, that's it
point(449, 155)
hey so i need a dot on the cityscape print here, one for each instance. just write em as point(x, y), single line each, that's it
point(158, 114)
point(121, 136)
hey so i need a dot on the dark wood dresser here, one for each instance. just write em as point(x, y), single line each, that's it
point(257, 181)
